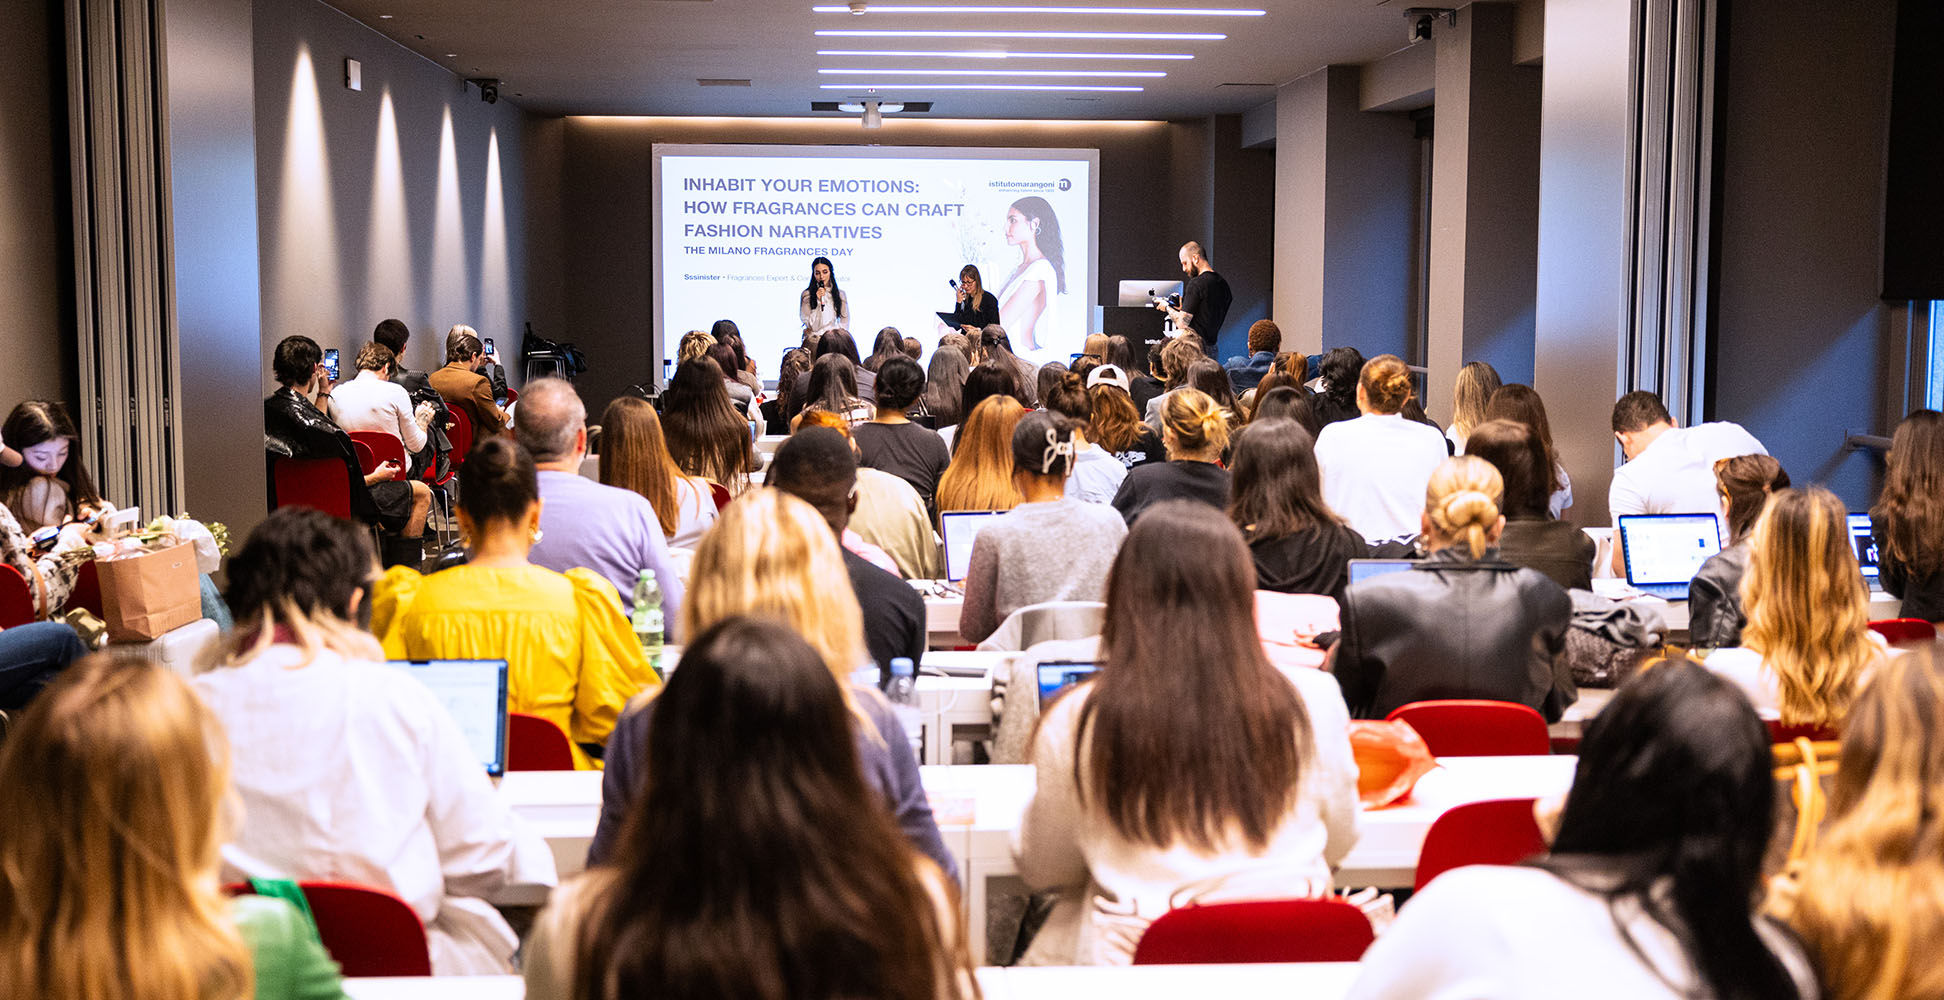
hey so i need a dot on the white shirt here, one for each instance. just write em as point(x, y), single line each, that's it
point(1497, 933)
point(350, 770)
point(1096, 475)
point(1746, 669)
point(820, 315)
point(369, 403)
point(1675, 474)
point(695, 513)
point(1375, 469)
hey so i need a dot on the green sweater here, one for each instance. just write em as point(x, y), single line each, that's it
point(290, 962)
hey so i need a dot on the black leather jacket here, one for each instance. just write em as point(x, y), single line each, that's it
point(1455, 628)
point(1715, 617)
point(293, 428)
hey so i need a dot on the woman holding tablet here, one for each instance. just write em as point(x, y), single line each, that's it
point(976, 308)
point(823, 306)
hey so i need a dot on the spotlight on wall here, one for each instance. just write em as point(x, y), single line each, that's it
point(858, 6)
point(488, 88)
point(874, 111)
point(1421, 19)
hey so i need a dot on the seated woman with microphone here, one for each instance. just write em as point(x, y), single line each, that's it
point(976, 308)
point(823, 306)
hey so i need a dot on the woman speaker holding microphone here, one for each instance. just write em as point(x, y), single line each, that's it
point(822, 306)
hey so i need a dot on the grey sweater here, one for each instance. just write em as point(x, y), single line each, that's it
point(1054, 551)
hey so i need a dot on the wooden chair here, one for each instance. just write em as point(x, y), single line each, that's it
point(1494, 832)
point(1282, 930)
point(1467, 727)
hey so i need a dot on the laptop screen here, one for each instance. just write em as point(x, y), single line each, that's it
point(960, 528)
point(1866, 546)
point(474, 694)
point(1364, 569)
point(1056, 676)
point(1667, 548)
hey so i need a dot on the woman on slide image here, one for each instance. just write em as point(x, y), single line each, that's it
point(822, 306)
point(1028, 293)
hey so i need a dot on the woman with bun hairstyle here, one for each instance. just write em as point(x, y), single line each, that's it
point(1375, 467)
point(1195, 432)
point(1399, 642)
point(1908, 519)
point(1011, 565)
point(1715, 616)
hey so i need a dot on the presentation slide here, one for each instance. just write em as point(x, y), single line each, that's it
point(738, 228)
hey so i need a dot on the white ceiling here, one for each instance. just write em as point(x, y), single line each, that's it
point(643, 57)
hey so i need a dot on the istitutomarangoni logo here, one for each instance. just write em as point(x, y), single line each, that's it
point(1062, 184)
point(1066, 185)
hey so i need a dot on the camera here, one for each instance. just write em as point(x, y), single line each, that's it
point(1421, 20)
point(488, 88)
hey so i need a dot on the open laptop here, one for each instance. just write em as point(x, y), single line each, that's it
point(1365, 569)
point(474, 694)
point(1056, 676)
point(1866, 550)
point(960, 527)
point(1664, 551)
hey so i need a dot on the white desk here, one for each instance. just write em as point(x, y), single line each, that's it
point(942, 621)
point(948, 703)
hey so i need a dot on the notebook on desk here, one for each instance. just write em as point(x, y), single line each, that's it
point(960, 527)
point(1664, 551)
point(1866, 550)
point(474, 694)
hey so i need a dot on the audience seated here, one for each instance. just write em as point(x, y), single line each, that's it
point(741, 396)
point(1399, 644)
point(1048, 548)
point(1195, 432)
point(1520, 404)
point(888, 344)
point(1116, 422)
point(890, 442)
point(817, 466)
point(612, 531)
point(117, 784)
point(31, 657)
point(1669, 468)
point(1652, 880)
point(1188, 770)
point(348, 768)
point(295, 426)
point(791, 379)
point(394, 335)
point(1287, 402)
point(889, 528)
point(1375, 466)
point(1715, 615)
point(729, 335)
point(756, 858)
point(464, 389)
point(944, 387)
point(774, 556)
point(694, 346)
point(705, 434)
point(373, 402)
point(1807, 645)
point(1865, 899)
point(575, 658)
point(489, 366)
point(1174, 360)
point(983, 382)
point(1097, 473)
point(1265, 339)
point(50, 575)
point(1298, 544)
point(1908, 519)
point(833, 388)
point(635, 457)
point(49, 484)
point(1140, 386)
point(980, 476)
point(1210, 378)
point(1476, 383)
point(1531, 537)
point(839, 342)
point(1340, 370)
point(1048, 376)
point(995, 348)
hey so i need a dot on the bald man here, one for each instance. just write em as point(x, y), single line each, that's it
point(1205, 297)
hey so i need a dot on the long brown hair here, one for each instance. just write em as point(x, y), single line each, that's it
point(36, 422)
point(1807, 605)
point(1277, 489)
point(1188, 733)
point(1912, 505)
point(1745, 482)
point(1521, 404)
point(705, 437)
point(980, 476)
point(635, 457)
point(757, 861)
point(115, 778)
point(1115, 424)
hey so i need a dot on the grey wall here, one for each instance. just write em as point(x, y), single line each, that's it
point(37, 357)
point(1799, 333)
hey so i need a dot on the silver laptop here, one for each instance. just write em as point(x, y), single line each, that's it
point(1664, 551)
point(474, 694)
point(1143, 293)
point(1866, 550)
point(960, 527)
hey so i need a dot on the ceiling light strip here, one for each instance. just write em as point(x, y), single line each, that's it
point(1104, 74)
point(921, 86)
point(962, 9)
point(1139, 36)
point(942, 54)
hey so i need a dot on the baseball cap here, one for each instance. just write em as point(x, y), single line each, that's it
point(1109, 374)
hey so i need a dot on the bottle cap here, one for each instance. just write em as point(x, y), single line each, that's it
point(901, 667)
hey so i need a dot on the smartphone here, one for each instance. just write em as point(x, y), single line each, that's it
point(668, 369)
point(331, 362)
point(489, 345)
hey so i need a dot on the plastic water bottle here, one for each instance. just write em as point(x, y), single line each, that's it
point(648, 619)
point(903, 695)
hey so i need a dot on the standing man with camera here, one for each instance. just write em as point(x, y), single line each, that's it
point(1205, 298)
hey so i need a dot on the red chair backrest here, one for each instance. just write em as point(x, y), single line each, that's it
point(512, 395)
point(16, 598)
point(384, 448)
point(367, 931)
point(321, 483)
point(367, 459)
point(1779, 733)
point(87, 589)
point(721, 495)
point(1282, 930)
point(1494, 832)
point(1901, 630)
point(1476, 728)
point(460, 435)
point(536, 744)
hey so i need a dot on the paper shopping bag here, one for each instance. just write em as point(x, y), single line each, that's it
point(148, 594)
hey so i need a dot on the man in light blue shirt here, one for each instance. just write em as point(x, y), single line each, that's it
point(612, 531)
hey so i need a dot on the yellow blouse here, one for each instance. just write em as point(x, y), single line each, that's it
point(572, 657)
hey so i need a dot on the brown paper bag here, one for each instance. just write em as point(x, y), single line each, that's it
point(145, 596)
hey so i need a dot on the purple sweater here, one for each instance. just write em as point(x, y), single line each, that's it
point(612, 531)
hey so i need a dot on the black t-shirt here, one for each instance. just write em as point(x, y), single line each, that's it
point(1142, 388)
point(1312, 561)
point(894, 614)
point(1146, 448)
point(1206, 298)
point(912, 453)
point(1151, 484)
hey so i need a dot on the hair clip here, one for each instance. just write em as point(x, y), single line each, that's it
point(1054, 449)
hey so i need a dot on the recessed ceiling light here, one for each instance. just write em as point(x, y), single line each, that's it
point(1149, 74)
point(452, 55)
point(942, 54)
point(884, 107)
point(1144, 36)
point(384, 17)
point(959, 9)
point(979, 86)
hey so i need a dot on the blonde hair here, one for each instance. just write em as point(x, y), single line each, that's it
point(1807, 605)
point(771, 554)
point(1470, 396)
point(1872, 890)
point(1386, 382)
point(1462, 502)
point(694, 344)
point(1193, 424)
point(108, 847)
point(980, 476)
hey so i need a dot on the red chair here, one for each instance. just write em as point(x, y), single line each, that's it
point(367, 931)
point(87, 590)
point(16, 598)
point(1779, 733)
point(461, 436)
point(1463, 727)
point(721, 495)
point(383, 447)
point(512, 396)
point(536, 744)
point(1494, 832)
point(367, 459)
point(320, 483)
point(1282, 930)
point(1897, 631)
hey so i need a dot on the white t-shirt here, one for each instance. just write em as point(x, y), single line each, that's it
point(369, 403)
point(1495, 933)
point(1096, 475)
point(1375, 469)
point(1675, 474)
point(695, 513)
point(1745, 668)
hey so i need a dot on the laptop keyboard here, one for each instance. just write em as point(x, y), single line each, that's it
point(1665, 591)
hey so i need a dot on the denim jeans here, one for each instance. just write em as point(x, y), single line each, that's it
point(31, 656)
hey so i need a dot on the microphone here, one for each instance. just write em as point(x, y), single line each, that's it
point(951, 282)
